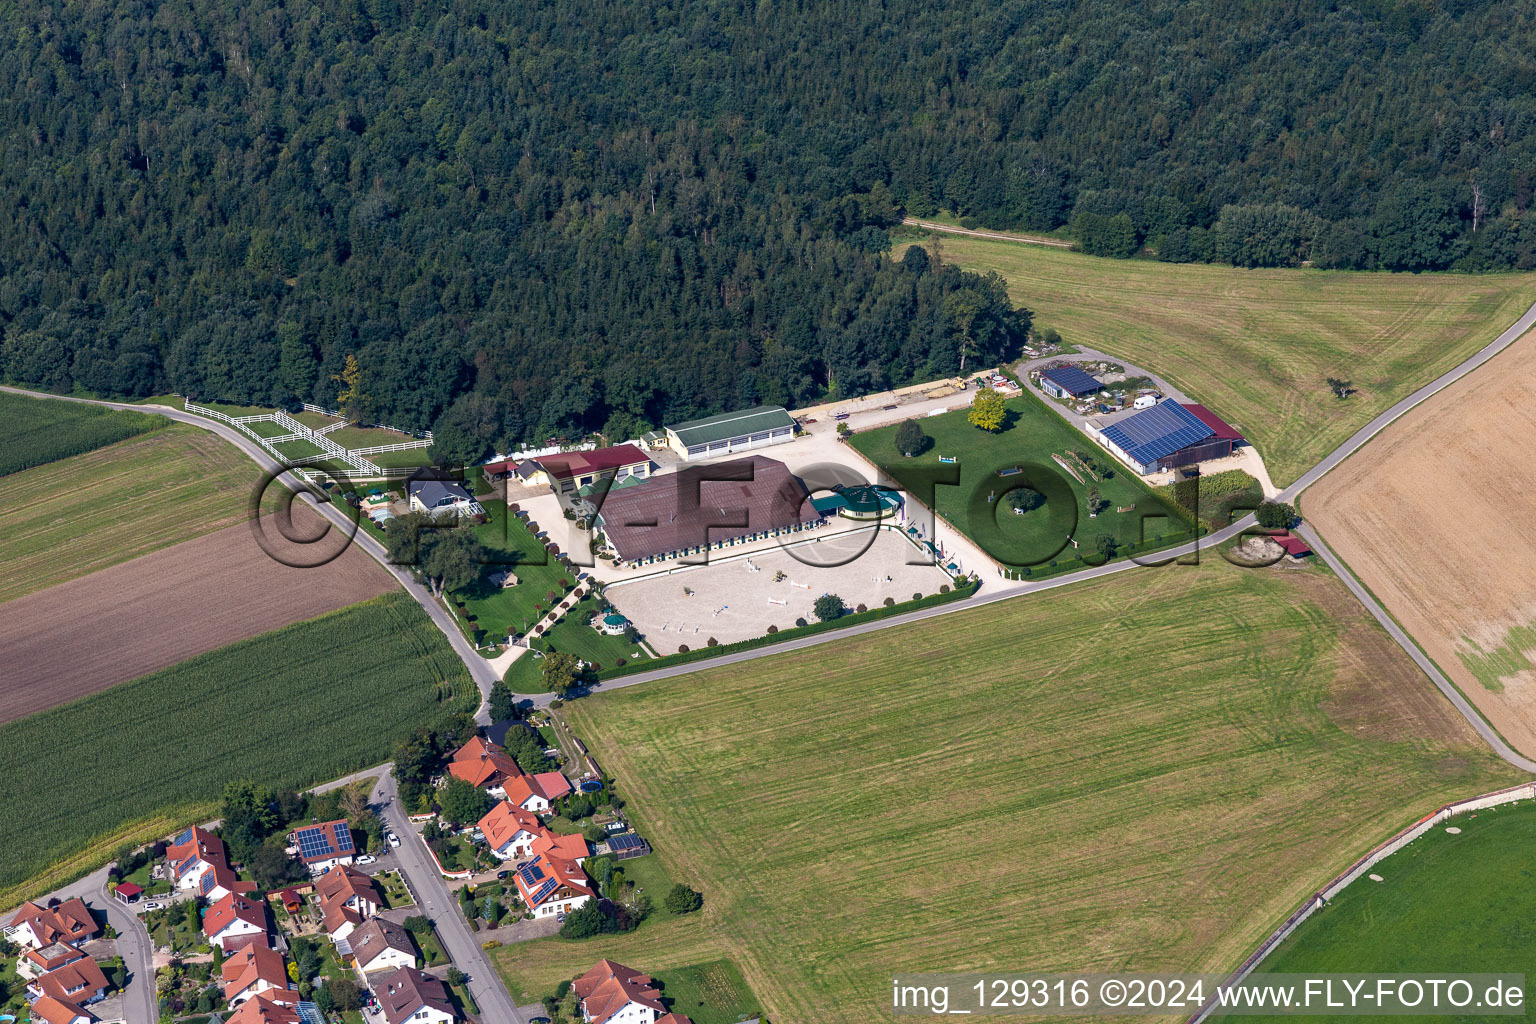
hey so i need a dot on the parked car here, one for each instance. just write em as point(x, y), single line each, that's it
point(503, 874)
point(154, 906)
point(365, 859)
point(394, 840)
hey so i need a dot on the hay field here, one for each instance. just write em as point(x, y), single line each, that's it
point(1434, 515)
point(1145, 772)
point(69, 518)
point(1258, 345)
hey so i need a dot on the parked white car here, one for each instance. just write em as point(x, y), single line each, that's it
point(365, 859)
point(394, 840)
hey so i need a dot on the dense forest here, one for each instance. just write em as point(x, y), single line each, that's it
point(544, 218)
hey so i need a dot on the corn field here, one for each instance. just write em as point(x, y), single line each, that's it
point(291, 708)
point(41, 430)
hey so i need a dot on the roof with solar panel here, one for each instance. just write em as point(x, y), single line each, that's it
point(1153, 433)
point(326, 841)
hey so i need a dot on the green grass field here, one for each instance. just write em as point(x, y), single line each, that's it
point(294, 707)
point(37, 431)
point(712, 993)
point(1258, 345)
point(1446, 903)
point(77, 515)
point(509, 545)
point(573, 636)
point(1145, 772)
point(267, 428)
point(366, 437)
point(1036, 539)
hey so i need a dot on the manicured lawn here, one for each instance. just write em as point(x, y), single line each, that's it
point(1031, 435)
point(314, 420)
point(267, 428)
point(229, 409)
point(1446, 902)
point(300, 450)
point(393, 890)
point(710, 993)
point(509, 545)
point(651, 878)
point(573, 635)
point(367, 437)
point(430, 947)
point(406, 457)
point(1257, 346)
point(1145, 772)
point(36, 431)
point(77, 515)
point(280, 709)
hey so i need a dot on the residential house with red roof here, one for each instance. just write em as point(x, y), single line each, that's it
point(322, 845)
point(568, 472)
point(34, 963)
point(510, 831)
point(571, 847)
point(235, 922)
point(611, 993)
point(80, 982)
point(256, 970)
point(193, 854)
point(537, 792)
point(411, 995)
point(55, 1011)
point(38, 926)
point(263, 1010)
point(551, 885)
point(484, 765)
point(348, 897)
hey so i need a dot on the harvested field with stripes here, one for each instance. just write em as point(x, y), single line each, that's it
point(128, 620)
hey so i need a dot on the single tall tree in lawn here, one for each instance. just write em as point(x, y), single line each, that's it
point(561, 672)
point(503, 703)
point(352, 400)
point(910, 439)
point(987, 411)
point(452, 559)
point(1025, 499)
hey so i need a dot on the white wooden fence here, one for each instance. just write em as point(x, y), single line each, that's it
point(360, 467)
point(1315, 902)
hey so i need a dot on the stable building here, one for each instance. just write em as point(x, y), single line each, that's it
point(731, 432)
point(1068, 382)
point(703, 508)
point(569, 472)
point(1168, 436)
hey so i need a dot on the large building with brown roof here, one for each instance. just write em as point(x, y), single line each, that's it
point(411, 995)
point(699, 508)
point(379, 944)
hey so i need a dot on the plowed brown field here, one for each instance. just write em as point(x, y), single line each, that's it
point(125, 621)
point(1437, 517)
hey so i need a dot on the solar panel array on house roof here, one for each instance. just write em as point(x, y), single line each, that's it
point(318, 842)
point(1072, 380)
point(1153, 433)
point(625, 842)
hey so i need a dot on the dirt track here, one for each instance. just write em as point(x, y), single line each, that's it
point(1435, 516)
point(90, 633)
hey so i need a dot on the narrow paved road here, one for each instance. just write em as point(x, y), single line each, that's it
point(133, 945)
point(482, 673)
point(439, 904)
point(1055, 243)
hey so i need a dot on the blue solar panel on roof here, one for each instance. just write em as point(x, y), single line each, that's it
point(343, 836)
point(626, 842)
point(1072, 379)
point(1153, 433)
point(544, 890)
point(183, 839)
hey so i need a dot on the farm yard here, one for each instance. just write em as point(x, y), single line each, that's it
point(1038, 539)
point(74, 516)
point(36, 431)
point(1144, 772)
point(159, 609)
point(1440, 496)
point(291, 708)
point(1258, 346)
point(1447, 899)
